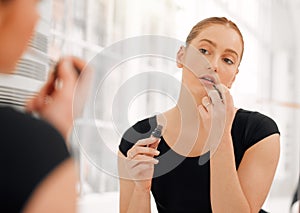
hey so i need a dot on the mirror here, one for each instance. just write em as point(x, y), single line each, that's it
point(267, 81)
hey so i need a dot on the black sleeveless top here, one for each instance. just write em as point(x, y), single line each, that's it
point(30, 150)
point(179, 183)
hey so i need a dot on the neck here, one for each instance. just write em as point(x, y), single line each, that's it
point(184, 118)
point(183, 130)
point(187, 107)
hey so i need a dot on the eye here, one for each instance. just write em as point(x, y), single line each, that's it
point(228, 61)
point(204, 51)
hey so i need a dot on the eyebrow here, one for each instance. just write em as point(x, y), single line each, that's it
point(215, 45)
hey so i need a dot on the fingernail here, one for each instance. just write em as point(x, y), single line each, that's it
point(157, 152)
point(205, 101)
point(153, 139)
point(58, 84)
point(67, 64)
point(156, 161)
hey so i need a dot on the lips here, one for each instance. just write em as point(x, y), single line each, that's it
point(207, 79)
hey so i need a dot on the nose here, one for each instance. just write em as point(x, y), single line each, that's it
point(214, 64)
point(215, 69)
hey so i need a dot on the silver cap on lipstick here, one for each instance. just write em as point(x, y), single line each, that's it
point(157, 131)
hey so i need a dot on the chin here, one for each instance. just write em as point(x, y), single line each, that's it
point(201, 91)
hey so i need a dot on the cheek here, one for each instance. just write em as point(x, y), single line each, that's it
point(227, 75)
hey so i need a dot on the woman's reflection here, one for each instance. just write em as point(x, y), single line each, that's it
point(238, 149)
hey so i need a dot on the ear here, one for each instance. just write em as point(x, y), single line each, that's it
point(179, 57)
point(233, 79)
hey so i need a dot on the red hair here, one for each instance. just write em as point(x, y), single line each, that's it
point(211, 21)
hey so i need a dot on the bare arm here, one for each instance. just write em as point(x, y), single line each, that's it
point(225, 187)
point(257, 170)
point(244, 190)
point(135, 173)
point(131, 198)
point(56, 193)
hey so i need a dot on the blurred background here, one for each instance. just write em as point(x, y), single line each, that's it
point(267, 81)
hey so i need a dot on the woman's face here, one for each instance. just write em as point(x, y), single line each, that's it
point(222, 47)
point(17, 22)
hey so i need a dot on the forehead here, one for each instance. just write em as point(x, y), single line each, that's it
point(224, 36)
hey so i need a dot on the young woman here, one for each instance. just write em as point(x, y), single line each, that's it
point(241, 147)
point(37, 173)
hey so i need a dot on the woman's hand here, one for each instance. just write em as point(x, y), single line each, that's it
point(140, 162)
point(217, 113)
point(55, 100)
point(222, 106)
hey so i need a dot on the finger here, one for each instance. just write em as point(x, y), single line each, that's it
point(206, 103)
point(29, 106)
point(66, 69)
point(226, 95)
point(215, 97)
point(138, 159)
point(64, 80)
point(155, 144)
point(78, 63)
point(72, 64)
point(39, 100)
point(141, 159)
point(138, 150)
point(203, 112)
point(146, 141)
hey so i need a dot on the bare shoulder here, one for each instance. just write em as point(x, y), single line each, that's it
point(57, 192)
